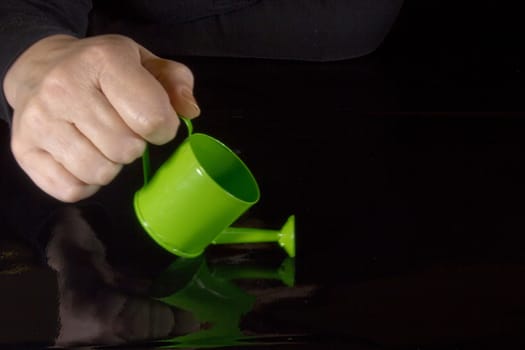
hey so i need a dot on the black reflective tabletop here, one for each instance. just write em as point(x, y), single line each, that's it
point(404, 170)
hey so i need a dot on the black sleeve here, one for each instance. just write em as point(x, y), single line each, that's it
point(23, 22)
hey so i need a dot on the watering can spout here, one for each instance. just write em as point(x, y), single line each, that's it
point(285, 237)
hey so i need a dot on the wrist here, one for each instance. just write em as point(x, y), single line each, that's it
point(31, 61)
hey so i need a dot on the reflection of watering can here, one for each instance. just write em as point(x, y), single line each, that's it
point(209, 294)
point(285, 273)
point(197, 194)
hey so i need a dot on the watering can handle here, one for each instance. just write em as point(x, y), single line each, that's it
point(146, 164)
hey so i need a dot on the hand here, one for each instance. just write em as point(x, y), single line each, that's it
point(83, 108)
point(97, 303)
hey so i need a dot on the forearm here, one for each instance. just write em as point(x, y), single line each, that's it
point(22, 23)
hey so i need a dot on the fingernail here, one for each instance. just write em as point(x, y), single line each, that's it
point(190, 99)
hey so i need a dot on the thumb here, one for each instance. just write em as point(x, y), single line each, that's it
point(177, 79)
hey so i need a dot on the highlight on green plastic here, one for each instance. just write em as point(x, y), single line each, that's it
point(196, 195)
point(285, 237)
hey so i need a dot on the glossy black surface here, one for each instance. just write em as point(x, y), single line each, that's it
point(405, 170)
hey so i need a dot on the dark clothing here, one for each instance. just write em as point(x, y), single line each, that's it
point(276, 29)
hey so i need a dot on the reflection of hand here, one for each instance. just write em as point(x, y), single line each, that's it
point(93, 309)
point(84, 107)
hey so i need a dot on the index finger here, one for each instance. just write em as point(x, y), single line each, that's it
point(139, 98)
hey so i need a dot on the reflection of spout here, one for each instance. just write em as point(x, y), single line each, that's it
point(285, 237)
point(285, 272)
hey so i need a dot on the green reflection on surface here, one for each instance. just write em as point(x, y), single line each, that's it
point(212, 297)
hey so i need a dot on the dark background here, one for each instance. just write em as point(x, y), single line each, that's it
point(405, 169)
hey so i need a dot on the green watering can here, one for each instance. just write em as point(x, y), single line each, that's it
point(196, 195)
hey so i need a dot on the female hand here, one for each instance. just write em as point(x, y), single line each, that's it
point(83, 108)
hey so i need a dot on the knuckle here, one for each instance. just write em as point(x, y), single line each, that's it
point(152, 124)
point(159, 129)
point(21, 144)
point(71, 193)
point(118, 39)
point(96, 52)
point(35, 122)
point(184, 71)
point(105, 174)
point(126, 151)
point(134, 150)
point(106, 48)
point(17, 148)
point(54, 85)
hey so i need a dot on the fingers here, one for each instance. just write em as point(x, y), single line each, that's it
point(90, 106)
point(53, 178)
point(104, 127)
point(140, 100)
point(59, 158)
point(177, 80)
point(78, 155)
point(149, 92)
